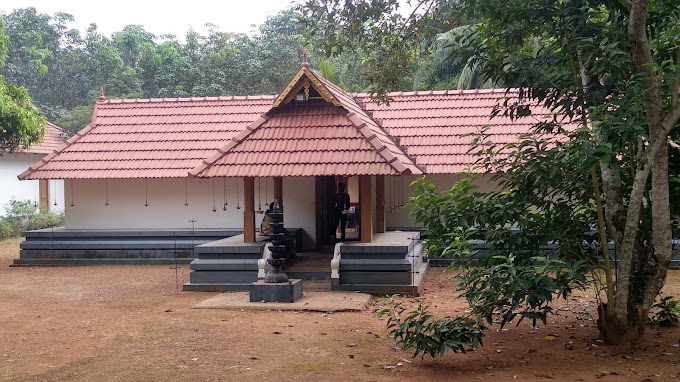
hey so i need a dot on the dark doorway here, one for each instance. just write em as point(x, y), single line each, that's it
point(325, 210)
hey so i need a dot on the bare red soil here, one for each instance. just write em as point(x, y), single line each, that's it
point(128, 323)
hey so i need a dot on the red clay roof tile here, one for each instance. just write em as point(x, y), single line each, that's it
point(238, 136)
point(174, 135)
point(283, 145)
point(294, 128)
point(54, 137)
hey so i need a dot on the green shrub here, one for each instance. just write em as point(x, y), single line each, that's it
point(6, 230)
point(666, 312)
point(17, 208)
point(22, 216)
point(420, 331)
point(44, 219)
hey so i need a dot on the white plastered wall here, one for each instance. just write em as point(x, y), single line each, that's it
point(167, 204)
point(398, 191)
point(299, 202)
point(11, 165)
point(167, 210)
point(153, 204)
point(56, 195)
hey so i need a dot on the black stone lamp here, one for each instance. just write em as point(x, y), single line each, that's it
point(278, 249)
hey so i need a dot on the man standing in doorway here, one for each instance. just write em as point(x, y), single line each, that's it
point(341, 209)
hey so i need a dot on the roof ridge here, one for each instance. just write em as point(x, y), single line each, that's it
point(51, 133)
point(382, 149)
point(358, 123)
point(54, 126)
point(186, 99)
point(439, 92)
point(235, 141)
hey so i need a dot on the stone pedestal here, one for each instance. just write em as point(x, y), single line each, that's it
point(289, 291)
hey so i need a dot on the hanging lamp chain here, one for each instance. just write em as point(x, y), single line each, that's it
point(238, 198)
point(186, 193)
point(259, 195)
point(213, 189)
point(224, 208)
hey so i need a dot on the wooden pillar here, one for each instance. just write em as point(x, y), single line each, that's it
point(366, 208)
point(380, 225)
point(278, 190)
point(44, 189)
point(248, 210)
point(318, 212)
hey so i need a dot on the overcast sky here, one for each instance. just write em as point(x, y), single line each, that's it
point(158, 17)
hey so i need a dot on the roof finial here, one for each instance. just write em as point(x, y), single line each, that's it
point(304, 59)
point(101, 94)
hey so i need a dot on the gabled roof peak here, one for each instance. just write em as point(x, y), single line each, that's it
point(281, 144)
point(304, 80)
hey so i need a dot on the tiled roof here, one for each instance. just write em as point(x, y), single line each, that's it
point(375, 134)
point(149, 138)
point(279, 146)
point(332, 136)
point(244, 136)
point(54, 138)
point(436, 128)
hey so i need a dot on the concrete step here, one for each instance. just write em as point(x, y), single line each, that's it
point(316, 285)
point(310, 275)
point(215, 287)
point(310, 266)
point(91, 262)
point(307, 285)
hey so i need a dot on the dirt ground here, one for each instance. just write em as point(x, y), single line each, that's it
point(128, 323)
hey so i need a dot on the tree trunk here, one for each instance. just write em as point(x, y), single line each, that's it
point(612, 333)
point(645, 256)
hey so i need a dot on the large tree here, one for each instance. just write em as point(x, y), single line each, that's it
point(20, 123)
point(612, 67)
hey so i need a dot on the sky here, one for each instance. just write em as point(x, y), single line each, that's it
point(158, 17)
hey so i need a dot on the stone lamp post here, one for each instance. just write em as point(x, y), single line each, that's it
point(278, 250)
point(276, 287)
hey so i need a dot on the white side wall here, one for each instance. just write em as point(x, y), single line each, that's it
point(166, 207)
point(166, 198)
point(398, 192)
point(299, 207)
point(56, 195)
point(11, 165)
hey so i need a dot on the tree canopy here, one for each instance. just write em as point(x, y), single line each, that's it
point(64, 70)
point(20, 122)
point(610, 70)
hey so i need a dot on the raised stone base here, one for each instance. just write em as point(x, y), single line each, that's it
point(276, 292)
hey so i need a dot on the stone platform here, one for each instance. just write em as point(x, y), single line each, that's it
point(321, 301)
point(225, 265)
point(392, 263)
point(69, 247)
point(230, 264)
point(261, 291)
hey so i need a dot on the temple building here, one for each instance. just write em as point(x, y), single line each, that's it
point(190, 179)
